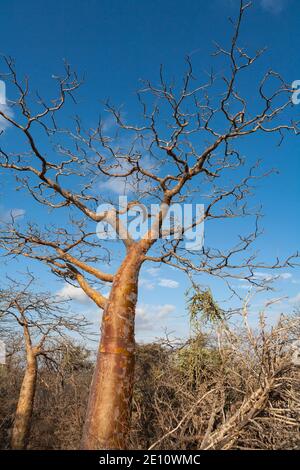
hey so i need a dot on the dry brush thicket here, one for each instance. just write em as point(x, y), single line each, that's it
point(227, 387)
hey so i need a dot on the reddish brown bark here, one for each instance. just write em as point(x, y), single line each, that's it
point(22, 422)
point(109, 408)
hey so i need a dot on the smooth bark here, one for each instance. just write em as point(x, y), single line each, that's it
point(22, 422)
point(109, 408)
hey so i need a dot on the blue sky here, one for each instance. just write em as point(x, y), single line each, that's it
point(115, 43)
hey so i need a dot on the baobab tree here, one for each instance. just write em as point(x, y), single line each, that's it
point(185, 144)
point(44, 322)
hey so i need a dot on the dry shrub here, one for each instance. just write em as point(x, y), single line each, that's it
point(227, 387)
point(230, 387)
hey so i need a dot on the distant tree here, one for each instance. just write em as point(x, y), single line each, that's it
point(185, 147)
point(44, 322)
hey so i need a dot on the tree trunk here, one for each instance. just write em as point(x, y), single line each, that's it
point(109, 408)
point(22, 421)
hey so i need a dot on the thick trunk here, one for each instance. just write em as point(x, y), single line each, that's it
point(22, 421)
point(109, 408)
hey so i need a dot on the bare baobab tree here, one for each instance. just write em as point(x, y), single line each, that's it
point(187, 145)
point(44, 322)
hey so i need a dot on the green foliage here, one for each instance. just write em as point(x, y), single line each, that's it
point(201, 305)
point(197, 359)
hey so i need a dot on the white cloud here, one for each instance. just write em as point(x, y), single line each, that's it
point(149, 285)
point(155, 281)
point(285, 276)
point(69, 292)
point(166, 309)
point(153, 271)
point(126, 185)
point(273, 6)
point(295, 299)
point(148, 315)
point(117, 185)
point(243, 286)
point(170, 283)
point(262, 275)
point(271, 277)
point(6, 215)
point(17, 213)
point(4, 107)
point(2, 93)
point(108, 124)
